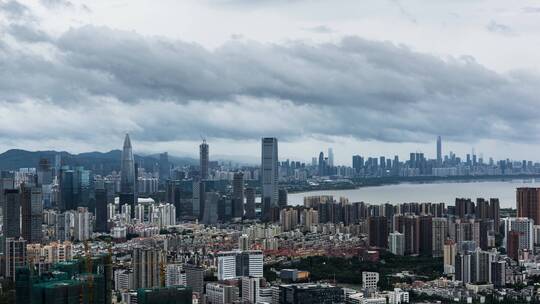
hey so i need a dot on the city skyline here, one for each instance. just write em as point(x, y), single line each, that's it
point(269, 151)
point(343, 159)
point(473, 90)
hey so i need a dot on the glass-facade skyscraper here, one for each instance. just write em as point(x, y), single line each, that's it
point(269, 168)
point(127, 176)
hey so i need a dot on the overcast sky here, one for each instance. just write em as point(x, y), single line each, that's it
point(379, 77)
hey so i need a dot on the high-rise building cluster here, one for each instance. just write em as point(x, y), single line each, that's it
point(157, 231)
point(419, 165)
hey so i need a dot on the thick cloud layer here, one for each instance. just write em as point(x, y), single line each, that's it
point(92, 81)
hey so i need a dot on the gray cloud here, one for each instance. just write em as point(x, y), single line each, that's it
point(531, 9)
point(499, 28)
point(28, 33)
point(96, 80)
point(321, 29)
point(13, 8)
point(252, 2)
point(404, 12)
point(57, 3)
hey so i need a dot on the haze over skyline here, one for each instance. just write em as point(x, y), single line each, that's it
point(370, 78)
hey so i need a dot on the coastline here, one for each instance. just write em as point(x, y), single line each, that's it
point(358, 183)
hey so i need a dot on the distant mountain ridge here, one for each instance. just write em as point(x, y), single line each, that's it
point(99, 162)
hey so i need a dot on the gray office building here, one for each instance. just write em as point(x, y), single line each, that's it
point(269, 174)
point(238, 195)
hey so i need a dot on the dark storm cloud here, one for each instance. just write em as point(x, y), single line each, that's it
point(353, 73)
point(170, 90)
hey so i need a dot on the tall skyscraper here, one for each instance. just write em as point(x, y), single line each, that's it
point(449, 256)
point(12, 213)
point(226, 265)
point(463, 267)
point(195, 277)
point(250, 289)
point(378, 231)
point(330, 157)
point(494, 211)
point(243, 242)
point(204, 159)
point(524, 229)
point(481, 265)
point(269, 169)
point(528, 203)
point(439, 151)
point(15, 256)
point(81, 226)
point(250, 203)
point(146, 267)
point(196, 199)
point(288, 219)
point(439, 234)
point(512, 244)
point(396, 243)
point(321, 164)
point(31, 213)
point(282, 198)
point(426, 235)
point(498, 273)
point(67, 190)
point(464, 208)
point(238, 194)
point(409, 225)
point(164, 166)
point(210, 211)
point(57, 165)
point(308, 218)
point(357, 163)
point(44, 172)
point(101, 208)
point(127, 176)
point(175, 275)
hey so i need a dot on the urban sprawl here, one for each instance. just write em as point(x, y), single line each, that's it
point(154, 232)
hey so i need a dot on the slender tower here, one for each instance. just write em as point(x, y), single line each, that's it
point(127, 176)
point(204, 159)
point(269, 178)
point(439, 150)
